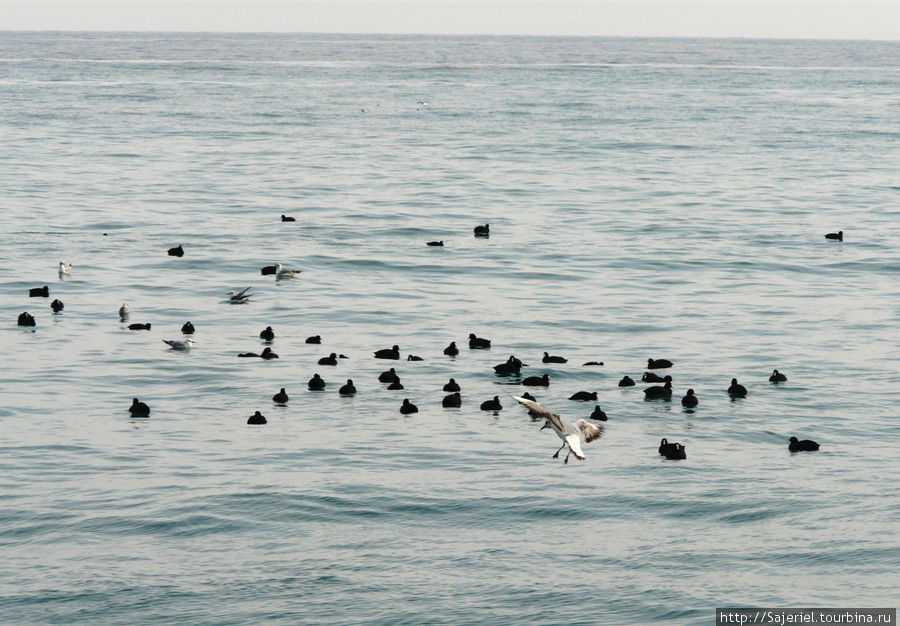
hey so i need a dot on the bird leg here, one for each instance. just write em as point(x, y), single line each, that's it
point(556, 456)
point(566, 460)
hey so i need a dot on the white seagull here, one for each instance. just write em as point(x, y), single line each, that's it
point(124, 310)
point(280, 272)
point(178, 344)
point(571, 434)
point(64, 270)
point(239, 297)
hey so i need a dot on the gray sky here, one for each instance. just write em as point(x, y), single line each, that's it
point(826, 19)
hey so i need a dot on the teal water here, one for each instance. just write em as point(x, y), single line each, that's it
point(663, 198)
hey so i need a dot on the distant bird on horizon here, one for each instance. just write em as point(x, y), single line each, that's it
point(439, 244)
point(572, 434)
point(139, 326)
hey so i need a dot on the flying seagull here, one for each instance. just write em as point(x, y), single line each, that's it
point(571, 434)
point(239, 297)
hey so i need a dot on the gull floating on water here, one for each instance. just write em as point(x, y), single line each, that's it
point(64, 270)
point(177, 344)
point(280, 272)
point(239, 297)
point(571, 434)
point(124, 310)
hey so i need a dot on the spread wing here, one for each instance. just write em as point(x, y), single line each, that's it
point(575, 446)
point(240, 295)
point(588, 432)
point(538, 410)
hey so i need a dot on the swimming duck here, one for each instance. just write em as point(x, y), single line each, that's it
point(483, 231)
point(57, 305)
point(839, 235)
point(598, 415)
point(512, 366)
point(287, 218)
point(331, 359)
point(478, 343)
point(626, 382)
point(139, 409)
point(537, 381)
point(584, 396)
point(268, 334)
point(26, 319)
point(553, 359)
point(492, 405)
point(451, 386)
point(413, 357)
point(659, 393)
point(39, 292)
point(256, 419)
point(176, 251)
point(689, 400)
point(389, 353)
point(387, 376)
point(187, 329)
point(658, 364)
point(408, 407)
point(348, 389)
point(139, 326)
point(314, 339)
point(452, 401)
point(395, 384)
point(650, 377)
point(451, 350)
point(806, 445)
point(777, 377)
point(316, 383)
point(737, 390)
point(436, 243)
point(281, 397)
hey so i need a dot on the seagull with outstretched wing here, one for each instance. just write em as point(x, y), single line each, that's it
point(571, 434)
point(239, 297)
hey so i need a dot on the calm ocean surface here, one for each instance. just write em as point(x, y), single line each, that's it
point(663, 198)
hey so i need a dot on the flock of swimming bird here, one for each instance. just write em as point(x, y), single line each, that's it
point(572, 434)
